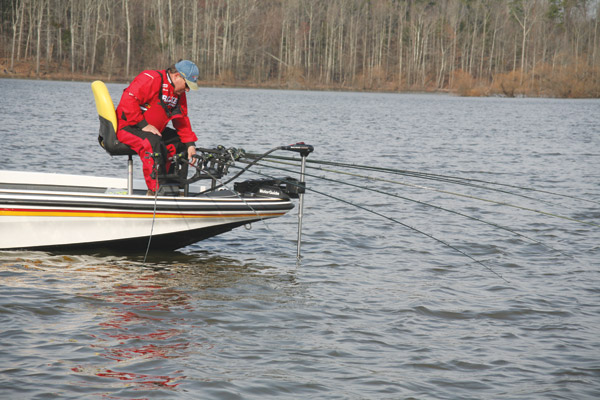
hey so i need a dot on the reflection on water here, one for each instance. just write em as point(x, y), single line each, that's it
point(132, 324)
point(134, 331)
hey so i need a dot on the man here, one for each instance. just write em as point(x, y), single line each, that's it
point(147, 105)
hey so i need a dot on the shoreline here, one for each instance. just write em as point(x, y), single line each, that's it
point(215, 84)
point(474, 90)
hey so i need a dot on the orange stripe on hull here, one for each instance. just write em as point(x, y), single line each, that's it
point(111, 214)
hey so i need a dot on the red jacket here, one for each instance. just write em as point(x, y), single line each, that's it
point(150, 99)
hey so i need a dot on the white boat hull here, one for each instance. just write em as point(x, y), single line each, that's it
point(39, 212)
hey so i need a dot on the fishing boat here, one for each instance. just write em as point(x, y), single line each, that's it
point(63, 211)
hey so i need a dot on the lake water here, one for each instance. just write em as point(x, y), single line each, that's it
point(383, 304)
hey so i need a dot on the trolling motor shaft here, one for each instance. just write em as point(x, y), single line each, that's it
point(301, 204)
point(304, 150)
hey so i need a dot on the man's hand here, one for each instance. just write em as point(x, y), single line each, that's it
point(191, 153)
point(152, 129)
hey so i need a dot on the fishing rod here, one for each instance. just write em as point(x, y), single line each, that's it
point(397, 222)
point(462, 194)
point(429, 205)
point(437, 177)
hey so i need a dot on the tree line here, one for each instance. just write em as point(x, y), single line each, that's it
point(473, 47)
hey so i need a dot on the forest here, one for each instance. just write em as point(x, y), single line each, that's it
point(469, 47)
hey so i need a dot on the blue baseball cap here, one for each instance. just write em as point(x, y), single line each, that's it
point(189, 72)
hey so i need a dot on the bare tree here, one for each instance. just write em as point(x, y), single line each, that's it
point(128, 24)
point(420, 44)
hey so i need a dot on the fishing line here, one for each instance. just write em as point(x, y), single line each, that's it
point(428, 205)
point(402, 224)
point(465, 195)
point(153, 217)
point(471, 196)
point(426, 187)
point(437, 177)
point(452, 181)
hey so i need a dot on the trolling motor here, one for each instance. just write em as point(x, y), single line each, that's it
point(304, 150)
point(294, 188)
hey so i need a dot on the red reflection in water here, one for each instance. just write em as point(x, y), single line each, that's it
point(149, 351)
point(145, 380)
point(140, 336)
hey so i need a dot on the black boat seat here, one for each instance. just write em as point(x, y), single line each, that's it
point(107, 136)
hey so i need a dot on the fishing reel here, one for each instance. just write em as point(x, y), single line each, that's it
point(209, 164)
point(214, 163)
